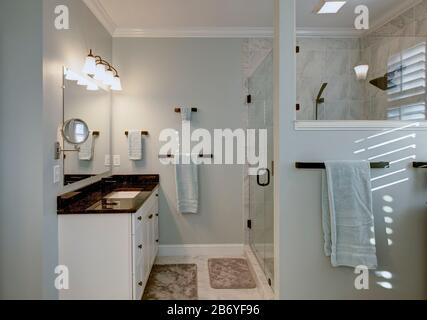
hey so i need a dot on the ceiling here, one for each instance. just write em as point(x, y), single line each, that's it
point(227, 17)
point(379, 10)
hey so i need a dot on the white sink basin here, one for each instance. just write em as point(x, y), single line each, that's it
point(123, 195)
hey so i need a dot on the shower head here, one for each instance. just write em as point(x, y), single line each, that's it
point(319, 98)
point(381, 82)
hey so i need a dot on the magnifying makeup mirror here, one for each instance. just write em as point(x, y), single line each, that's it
point(75, 131)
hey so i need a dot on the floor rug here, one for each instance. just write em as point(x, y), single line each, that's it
point(172, 282)
point(230, 274)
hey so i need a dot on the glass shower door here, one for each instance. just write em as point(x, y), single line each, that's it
point(261, 192)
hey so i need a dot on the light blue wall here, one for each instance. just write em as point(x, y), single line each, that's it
point(159, 75)
point(21, 136)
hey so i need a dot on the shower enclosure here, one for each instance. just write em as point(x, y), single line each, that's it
point(261, 192)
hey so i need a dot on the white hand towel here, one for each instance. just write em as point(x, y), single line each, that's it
point(135, 145)
point(187, 185)
point(348, 220)
point(86, 149)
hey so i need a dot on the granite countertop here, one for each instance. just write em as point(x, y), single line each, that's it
point(91, 199)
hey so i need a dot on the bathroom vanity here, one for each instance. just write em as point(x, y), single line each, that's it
point(109, 237)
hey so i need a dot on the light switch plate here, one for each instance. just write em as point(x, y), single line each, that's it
point(107, 161)
point(117, 160)
point(56, 174)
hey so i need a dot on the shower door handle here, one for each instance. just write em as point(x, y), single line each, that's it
point(258, 178)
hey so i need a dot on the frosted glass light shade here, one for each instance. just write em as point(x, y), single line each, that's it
point(71, 75)
point(109, 78)
point(92, 87)
point(90, 66)
point(100, 72)
point(117, 84)
point(361, 71)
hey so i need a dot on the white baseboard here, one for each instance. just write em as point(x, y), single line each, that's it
point(201, 250)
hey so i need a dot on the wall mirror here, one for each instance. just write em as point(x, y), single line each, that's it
point(87, 128)
point(349, 73)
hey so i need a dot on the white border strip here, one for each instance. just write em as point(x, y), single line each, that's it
point(195, 33)
point(192, 250)
point(358, 125)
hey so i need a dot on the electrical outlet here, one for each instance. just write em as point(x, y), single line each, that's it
point(117, 160)
point(107, 161)
point(56, 174)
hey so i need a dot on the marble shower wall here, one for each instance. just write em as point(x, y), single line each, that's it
point(332, 61)
point(324, 60)
point(403, 32)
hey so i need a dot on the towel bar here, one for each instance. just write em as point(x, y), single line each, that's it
point(165, 156)
point(419, 165)
point(178, 110)
point(321, 165)
point(143, 133)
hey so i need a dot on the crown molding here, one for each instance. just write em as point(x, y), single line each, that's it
point(101, 14)
point(195, 33)
point(392, 14)
point(328, 32)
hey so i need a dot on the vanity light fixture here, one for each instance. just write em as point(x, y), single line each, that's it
point(102, 71)
point(81, 80)
point(329, 6)
point(361, 71)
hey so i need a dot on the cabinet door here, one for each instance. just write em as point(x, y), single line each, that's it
point(140, 281)
point(147, 246)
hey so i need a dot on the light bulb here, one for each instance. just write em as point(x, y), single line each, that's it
point(100, 72)
point(117, 84)
point(361, 71)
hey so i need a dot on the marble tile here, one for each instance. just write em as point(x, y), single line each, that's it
point(337, 63)
point(420, 10)
point(310, 63)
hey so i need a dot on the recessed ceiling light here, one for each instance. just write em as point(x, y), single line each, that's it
point(326, 6)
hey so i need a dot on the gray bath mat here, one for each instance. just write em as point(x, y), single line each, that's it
point(230, 274)
point(172, 282)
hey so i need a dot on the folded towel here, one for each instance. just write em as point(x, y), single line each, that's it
point(86, 149)
point(187, 184)
point(135, 145)
point(186, 114)
point(348, 220)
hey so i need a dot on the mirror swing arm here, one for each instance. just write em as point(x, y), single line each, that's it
point(58, 150)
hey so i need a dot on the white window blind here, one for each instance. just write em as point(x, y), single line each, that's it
point(407, 84)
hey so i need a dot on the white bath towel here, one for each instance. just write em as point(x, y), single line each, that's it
point(348, 220)
point(86, 149)
point(187, 185)
point(186, 114)
point(135, 145)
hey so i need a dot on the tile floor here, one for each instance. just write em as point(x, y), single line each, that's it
point(205, 292)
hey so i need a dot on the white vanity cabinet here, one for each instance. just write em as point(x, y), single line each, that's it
point(109, 256)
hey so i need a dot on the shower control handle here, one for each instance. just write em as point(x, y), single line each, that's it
point(258, 178)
